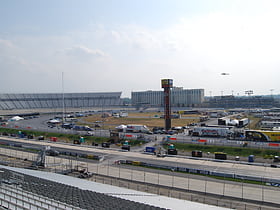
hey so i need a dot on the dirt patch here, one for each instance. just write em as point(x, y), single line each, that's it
point(147, 119)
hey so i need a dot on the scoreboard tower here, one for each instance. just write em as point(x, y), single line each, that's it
point(167, 84)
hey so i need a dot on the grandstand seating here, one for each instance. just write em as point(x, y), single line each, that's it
point(55, 100)
point(74, 196)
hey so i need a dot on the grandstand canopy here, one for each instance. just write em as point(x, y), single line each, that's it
point(59, 100)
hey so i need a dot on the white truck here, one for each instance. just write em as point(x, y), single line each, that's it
point(136, 129)
point(211, 131)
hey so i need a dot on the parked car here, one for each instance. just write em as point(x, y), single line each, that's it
point(41, 138)
point(52, 152)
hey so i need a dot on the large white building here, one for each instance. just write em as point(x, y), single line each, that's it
point(179, 97)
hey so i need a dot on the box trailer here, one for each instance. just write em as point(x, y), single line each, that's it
point(211, 131)
point(243, 122)
point(136, 129)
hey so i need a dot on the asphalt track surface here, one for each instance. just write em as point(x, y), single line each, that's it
point(117, 154)
point(241, 190)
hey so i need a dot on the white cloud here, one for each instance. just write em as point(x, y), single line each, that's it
point(84, 52)
point(193, 51)
point(116, 36)
point(6, 44)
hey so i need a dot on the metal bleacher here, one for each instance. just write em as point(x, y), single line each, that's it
point(55, 100)
point(22, 191)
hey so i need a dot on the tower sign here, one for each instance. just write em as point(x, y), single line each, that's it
point(166, 84)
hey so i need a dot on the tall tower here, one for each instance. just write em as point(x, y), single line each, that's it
point(167, 84)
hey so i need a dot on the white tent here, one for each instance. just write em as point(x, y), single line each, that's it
point(54, 121)
point(16, 118)
point(233, 122)
point(121, 127)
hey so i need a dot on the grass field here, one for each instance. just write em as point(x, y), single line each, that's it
point(147, 119)
point(234, 151)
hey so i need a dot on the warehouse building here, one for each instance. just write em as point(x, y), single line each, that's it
point(231, 101)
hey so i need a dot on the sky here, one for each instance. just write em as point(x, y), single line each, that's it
point(130, 45)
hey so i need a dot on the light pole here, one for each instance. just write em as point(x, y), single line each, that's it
point(249, 93)
point(271, 92)
point(102, 112)
point(223, 74)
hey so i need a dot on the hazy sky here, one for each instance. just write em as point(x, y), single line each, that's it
point(130, 45)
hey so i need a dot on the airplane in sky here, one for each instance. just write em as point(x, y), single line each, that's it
point(224, 73)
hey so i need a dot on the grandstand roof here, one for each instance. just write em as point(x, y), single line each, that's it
point(56, 100)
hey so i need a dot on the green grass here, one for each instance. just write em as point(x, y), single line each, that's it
point(134, 142)
point(69, 137)
point(234, 151)
point(60, 136)
point(207, 175)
